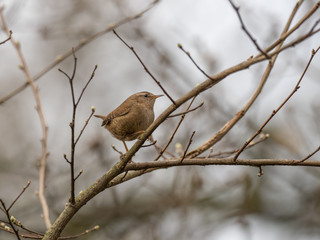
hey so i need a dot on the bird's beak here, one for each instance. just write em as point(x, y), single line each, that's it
point(157, 96)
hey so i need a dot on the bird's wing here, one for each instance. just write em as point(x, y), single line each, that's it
point(115, 114)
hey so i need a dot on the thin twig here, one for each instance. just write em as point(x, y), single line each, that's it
point(295, 42)
point(75, 140)
point(81, 44)
point(10, 218)
point(65, 157)
point(194, 62)
point(85, 125)
point(114, 148)
point(84, 88)
point(295, 27)
point(19, 224)
point(9, 37)
point(262, 137)
point(314, 26)
point(14, 201)
point(260, 173)
point(79, 174)
point(144, 66)
point(150, 144)
point(175, 131)
point(239, 115)
point(186, 112)
point(44, 154)
point(246, 30)
point(36, 235)
point(80, 234)
point(189, 143)
point(311, 154)
point(274, 112)
point(72, 126)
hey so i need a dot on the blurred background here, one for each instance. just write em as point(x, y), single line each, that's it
point(212, 202)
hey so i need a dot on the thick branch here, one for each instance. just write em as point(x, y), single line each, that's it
point(218, 161)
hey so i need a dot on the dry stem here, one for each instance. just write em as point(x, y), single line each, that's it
point(44, 154)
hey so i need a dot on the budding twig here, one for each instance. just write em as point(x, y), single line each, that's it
point(74, 140)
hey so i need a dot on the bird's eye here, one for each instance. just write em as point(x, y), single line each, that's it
point(146, 95)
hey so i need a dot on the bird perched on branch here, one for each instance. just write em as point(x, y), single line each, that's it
point(128, 121)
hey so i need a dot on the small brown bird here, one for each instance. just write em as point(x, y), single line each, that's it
point(128, 121)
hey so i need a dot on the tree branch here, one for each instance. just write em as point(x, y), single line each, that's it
point(274, 112)
point(74, 141)
point(115, 174)
point(247, 31)
point(311, 154)
point(8, 38)
point(202, 161)
point(83, 43)
point(229, 125)
point(44, 154)
point(14, 201)
point(10, 218)
point(145, 67)
point(175, 130)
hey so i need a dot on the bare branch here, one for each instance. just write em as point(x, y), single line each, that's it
point(84, 88)
point(311, 154)
point(274, 112)
point(75, 104)
point(80, 234)
point(175, 131)
point(186, 112)
point(9, 37)
point(44, 154)
point(148, 145)
point(262, 137)
point(65, 157)
point(116, 150)
point(14, 201)
point(85, 125)
point(115, 174)
point(229, 125)
point(36, 235)
point(193, 61)
point(203, 161)
point(246, 30)
point(314, 26)
point(83, 43)
point(145, 67)
point(11, 219)
point(79, 174)
point(260, 173)
point(187, 148)
point(295, 27)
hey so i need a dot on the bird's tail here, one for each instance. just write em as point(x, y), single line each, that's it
point(103, 118)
